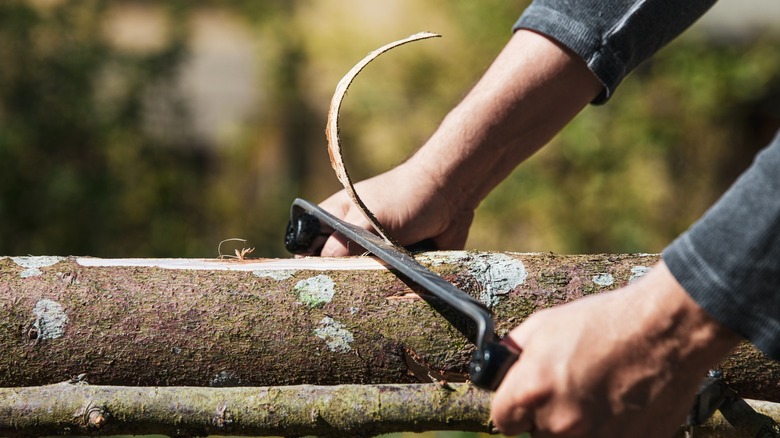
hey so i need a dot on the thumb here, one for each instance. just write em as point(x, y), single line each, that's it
point(512, 408)
point(338, 246)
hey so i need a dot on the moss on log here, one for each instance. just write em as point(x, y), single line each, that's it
point(320, 321)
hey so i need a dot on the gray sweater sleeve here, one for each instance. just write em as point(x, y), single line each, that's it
point(612, 36)
point(728, 261)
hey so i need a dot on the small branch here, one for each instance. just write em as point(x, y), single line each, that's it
point(344, 410)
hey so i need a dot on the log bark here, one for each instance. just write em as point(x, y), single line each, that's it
point(343, 410)
point(170, 322)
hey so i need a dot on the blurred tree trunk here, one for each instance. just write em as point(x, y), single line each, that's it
point(174, 322)
point(301, 127)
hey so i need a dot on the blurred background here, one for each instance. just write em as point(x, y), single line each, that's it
point(158, 129)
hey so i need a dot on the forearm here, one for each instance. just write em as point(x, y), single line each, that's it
point(666, 316)
point(532, 89)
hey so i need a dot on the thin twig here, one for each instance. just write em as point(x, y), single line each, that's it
point(219, 248)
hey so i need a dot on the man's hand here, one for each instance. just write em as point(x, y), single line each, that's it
point(620, 364)
point(408, 202)
point(532, 89)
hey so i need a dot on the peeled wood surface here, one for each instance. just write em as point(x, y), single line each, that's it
point(282, 322)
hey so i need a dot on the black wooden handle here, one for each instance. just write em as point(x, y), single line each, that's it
point(490, 365)
point(302, 230)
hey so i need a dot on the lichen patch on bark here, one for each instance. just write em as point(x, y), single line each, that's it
point(225, 378)
point(50, 319)
point(335, 335)
point(498, 274)
point(638, 272)
point(34, 263)
point(604, 279)
point(315, 291)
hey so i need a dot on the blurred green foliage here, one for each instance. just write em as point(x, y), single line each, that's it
point(100, 153)
point(77, 173)
point(631, 175)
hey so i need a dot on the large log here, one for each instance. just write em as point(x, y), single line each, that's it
point(342, 410)
point(169, 322)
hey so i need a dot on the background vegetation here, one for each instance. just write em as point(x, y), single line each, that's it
point(106, 151)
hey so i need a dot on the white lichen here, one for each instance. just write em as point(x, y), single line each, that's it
point(34, 263)
point(277, 275)
point(603, 279)
point(638, 272)
point(224, 379)
point(50, 319)
point(498, 274)
point(315, 291)
point(336, 337)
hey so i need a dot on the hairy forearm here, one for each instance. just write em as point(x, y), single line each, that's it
point(532, 89)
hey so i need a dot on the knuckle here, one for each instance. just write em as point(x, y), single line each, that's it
point(568, 423)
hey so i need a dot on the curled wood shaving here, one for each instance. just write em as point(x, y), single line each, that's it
point(241, 255)
point(332, 130)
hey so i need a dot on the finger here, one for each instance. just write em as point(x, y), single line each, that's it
point(338, 246)
point(517, 395)
point(524, 333)
point(508, 413)
point(335, 246)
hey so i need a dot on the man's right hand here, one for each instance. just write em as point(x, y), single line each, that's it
point(625, 363)
point(411, 206)
point(528, 94)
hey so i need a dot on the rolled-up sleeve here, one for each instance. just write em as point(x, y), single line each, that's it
point(612, 36)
